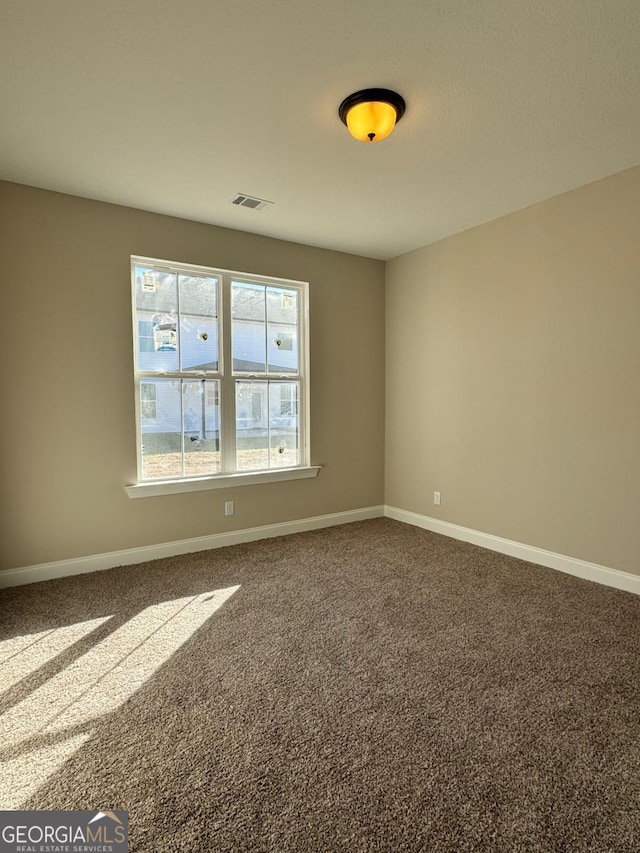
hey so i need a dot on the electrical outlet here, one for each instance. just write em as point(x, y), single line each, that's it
point(436, 498)
point(228, 507)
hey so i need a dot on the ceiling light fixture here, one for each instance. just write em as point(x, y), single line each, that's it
point(371, 114)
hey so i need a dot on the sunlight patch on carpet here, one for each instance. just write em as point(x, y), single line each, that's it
point(21, 656)
point(95, 684)
point(24, 774)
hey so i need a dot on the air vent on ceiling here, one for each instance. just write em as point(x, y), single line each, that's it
point(254, 203)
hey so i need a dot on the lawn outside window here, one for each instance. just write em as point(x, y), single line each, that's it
point(221, 377)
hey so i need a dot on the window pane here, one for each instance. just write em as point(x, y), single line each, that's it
point(156, 315)
point(282, 330)
point(267, 425)
point(161, 429)
point(248, 315)
point(283, 424)
point(201, 412)
point(252, 426)
point(198, 322)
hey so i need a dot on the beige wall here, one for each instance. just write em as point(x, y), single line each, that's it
point(512, 383)
point(513, 376)
point(67, 434)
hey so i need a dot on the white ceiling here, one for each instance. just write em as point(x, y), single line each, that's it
point(176, 105)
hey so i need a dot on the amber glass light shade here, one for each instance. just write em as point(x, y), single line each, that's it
point(371, 121)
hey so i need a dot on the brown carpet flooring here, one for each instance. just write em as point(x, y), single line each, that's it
point(369, 687)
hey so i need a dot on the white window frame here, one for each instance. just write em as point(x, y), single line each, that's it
point(228, 475)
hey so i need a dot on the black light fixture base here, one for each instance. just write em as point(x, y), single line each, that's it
point(364, 95)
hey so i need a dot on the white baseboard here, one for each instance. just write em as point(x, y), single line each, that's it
point(97, 562)
point(570, 565)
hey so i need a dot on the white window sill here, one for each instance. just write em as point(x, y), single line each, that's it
point(218, 481)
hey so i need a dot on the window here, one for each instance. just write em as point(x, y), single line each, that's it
point(288, 401)
point(145, 336)
point(148, 400)
point(221, 365)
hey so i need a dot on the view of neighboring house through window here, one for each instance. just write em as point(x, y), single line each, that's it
point(220, 368)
